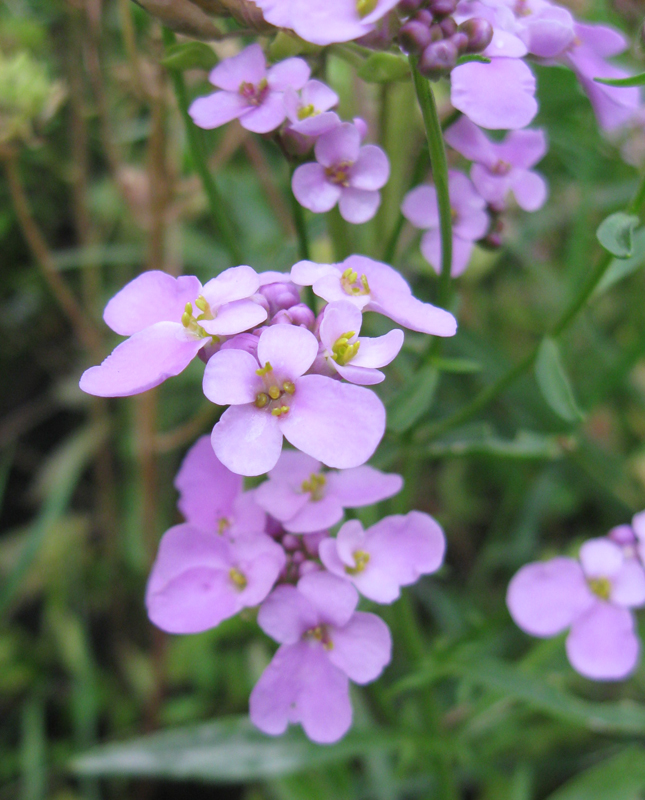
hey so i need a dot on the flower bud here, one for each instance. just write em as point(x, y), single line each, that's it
point(442, 8)
point(438, 59)
point(290, 542)
point(414, 36)
point(436, 34)
point(448, 26)
point(424, 17)
point(308, 566)
point(299, 314)
point(479, 32)
point(408, 7)
point(279, 296)
point(243, 341)
point(460, 40)
point(296, 144)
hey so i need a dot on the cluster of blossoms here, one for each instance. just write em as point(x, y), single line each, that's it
point(283, 98)
point(271, 547)
point(593, 596)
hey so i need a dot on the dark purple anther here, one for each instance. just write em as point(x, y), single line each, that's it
point(438, 59)
point(448, 26)
point(479, 32)
point(414, 37)
point(442, 8)
point(408, 7)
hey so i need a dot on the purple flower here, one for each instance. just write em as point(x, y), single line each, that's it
point(546, 29)
point(393, 553)
point(469, 220)
point(499, 95)
point(199, 579)
point(211, 497)
point(309, 112)
point(504, 167)
point(156, 311)
point(250, 92)
point(325, 23)
point(325, 643)
point(345, 173)
point(593, 598)
point(374, 286)
point(306, 500)
point(612, 105)
point(355, 357)
point(337, 423)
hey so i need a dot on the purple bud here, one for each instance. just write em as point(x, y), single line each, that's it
point(290, 542)
point(448, 26)
point(243, 341)
point(299, 314)
point(296, 144)
point(436, 34)
point(408, 7)
point(298, 557)
point(494, 240)
point(438, 59)
point(460, 41)
point(479, 32)
point(414, 36)
point(206, 352)
point(442, 8)
point(309, 566)
point(424, 17)
point(312, 542)
point(279, 296)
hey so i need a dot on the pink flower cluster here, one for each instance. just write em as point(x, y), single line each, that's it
point(344, 173)
point(593, 596)
point(271, 547)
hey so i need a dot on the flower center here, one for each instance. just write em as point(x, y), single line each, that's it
point(252, 93)
point(365, 7)
point(223, 524)
point(361, 560)
point(601, 587)
point(276, 397)
point(339, 173)
point(343, 350)
point(352, 284)
point(315, 486)
point(501, 168)
point(320, 634)
point(239, 580)
point(307, 111)
point(191, 322)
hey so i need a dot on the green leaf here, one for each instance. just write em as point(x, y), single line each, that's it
point(226, 751)
point(621, 268)
point(633, 80)
point(384, 67)
point(620, 777)
point(458, 365)
point(412, 401)
point(526, 446)
point(615, 234)
point(468, 57)
point(554, 383)
point(189, 55)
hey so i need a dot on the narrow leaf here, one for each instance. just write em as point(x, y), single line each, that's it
point(413, 401)
point(625, 83)
point(384, 67)
point(615, 234)
point(226, 751)
point(458, 365)
point(468, 57)
point(526, 446)
point(554, 383)
point(621, 268)
point(620, 777)
point(189, 55)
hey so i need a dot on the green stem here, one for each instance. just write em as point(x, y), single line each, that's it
point(420, 167)
point(576, 305)
point(300, 224)
point(439, 166)
point(216, 202)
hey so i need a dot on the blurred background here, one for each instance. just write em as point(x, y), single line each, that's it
point(97, 185)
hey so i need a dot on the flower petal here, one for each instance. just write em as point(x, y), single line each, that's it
point(371, 169)
point(247, 440)
point(362, 648)
point(530, 190)
point(339, 424)
point(357, 205)
point(230, 378)
point(340, 145)
point(151, 297)
point(289, 349)
point(312, 189)
point(292, 72)
point(235, 283)
point(235, 317)
point(143, 361)
point(249, 66)
point(334, 598)
point(363, 486)
point(603, 644)
point(217, 109)
point(287, 614)
point(267, 116)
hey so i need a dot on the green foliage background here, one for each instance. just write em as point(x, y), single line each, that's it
point(469, 707)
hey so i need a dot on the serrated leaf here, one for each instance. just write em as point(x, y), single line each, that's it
point(620, 777)
point(554, 383)
point(412, 401)
point(226, 751)
point(384, 67)
point(615, 234)
point(189, 55)
point(625, 83)
point(468, 57)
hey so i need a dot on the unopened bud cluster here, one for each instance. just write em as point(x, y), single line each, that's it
point(432, 33)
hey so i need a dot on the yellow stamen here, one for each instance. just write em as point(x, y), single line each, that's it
point(261, 400)
point(223, 524)
point(238, 578)
point(601, 587)
point(365, 7)
point(264, 370)
point(274, 392)
point(307, 111)
point(289, 387)
point(202, 304)
point(361, 560)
